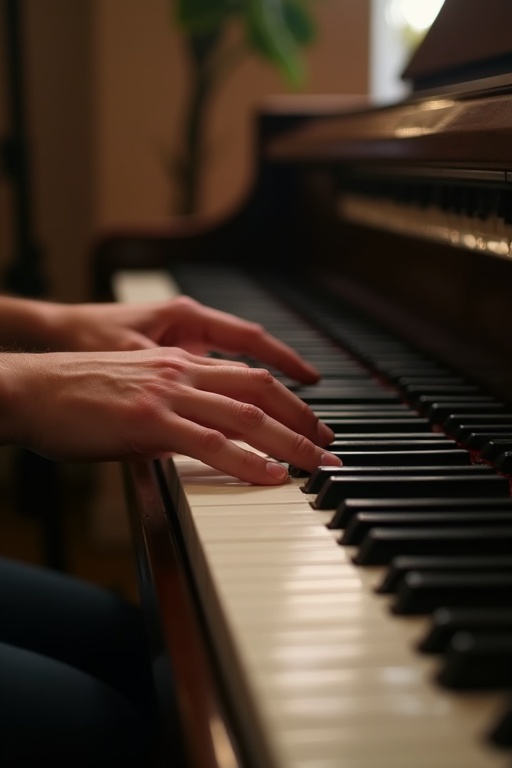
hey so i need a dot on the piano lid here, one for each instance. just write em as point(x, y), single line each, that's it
point(469, 40)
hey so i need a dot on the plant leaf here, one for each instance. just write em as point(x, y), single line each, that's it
point(202, 16)
point(300, 22)
point(270, 35)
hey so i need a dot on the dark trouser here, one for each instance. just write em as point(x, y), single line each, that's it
point(75, 683)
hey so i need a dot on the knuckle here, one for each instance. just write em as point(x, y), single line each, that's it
point(303, 446)
point(212, 441)
point(249, 416)
point(255, 329)
point(260, 376)
point(184, 302)
point(250, 462)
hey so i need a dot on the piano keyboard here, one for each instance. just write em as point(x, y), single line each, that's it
point(321, 602)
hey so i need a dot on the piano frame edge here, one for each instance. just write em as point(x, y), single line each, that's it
point(194, 723)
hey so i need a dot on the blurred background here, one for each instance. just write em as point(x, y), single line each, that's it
point(104, 89)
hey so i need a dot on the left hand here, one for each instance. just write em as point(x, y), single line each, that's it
point(182, 322)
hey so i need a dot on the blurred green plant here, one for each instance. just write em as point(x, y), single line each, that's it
point(276, 30)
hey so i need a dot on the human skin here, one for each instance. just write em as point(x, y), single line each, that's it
point(148, 390)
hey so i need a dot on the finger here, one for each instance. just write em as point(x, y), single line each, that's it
point(217, 451)
point(258, 386)
point(251, 424)
point(231, 334)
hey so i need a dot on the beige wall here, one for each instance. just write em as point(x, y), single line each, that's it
point(106, 85)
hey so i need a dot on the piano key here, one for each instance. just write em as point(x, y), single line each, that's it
point(415, 392)
point(360, 689)
point(406, 458)
point(401, 565)
point(433, 438)
point(478, 661)
point(447, 622)
point(426, 442)
point(440, 412)
point(339, 488)
point(341, 413)
point(461, 428)
point(363, 522)
point(329, 409)
point(475, 440)
point(314, 396)
point(504, 462)
point(406, 381)
point(393, 458)
point(421, 593)
point(457, 418)
point(414, 424)
point(322, 475)
point(432, 371)
point(496, 447)
point(381, 545)
point(350, 507)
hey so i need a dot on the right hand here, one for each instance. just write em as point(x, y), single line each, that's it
point(95, 406)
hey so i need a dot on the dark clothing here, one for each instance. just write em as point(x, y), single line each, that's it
point(75, 682)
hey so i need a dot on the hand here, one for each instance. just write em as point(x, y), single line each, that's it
point(183, 323)
point(149, 403)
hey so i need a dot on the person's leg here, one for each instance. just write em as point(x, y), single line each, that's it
point(79, 624)
point(54, 716)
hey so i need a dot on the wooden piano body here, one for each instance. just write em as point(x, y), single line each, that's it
point(405, 209)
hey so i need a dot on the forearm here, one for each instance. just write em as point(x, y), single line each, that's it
point(26, 324)
point(15, 400)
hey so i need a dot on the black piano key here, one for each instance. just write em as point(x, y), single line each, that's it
point(476, 440)
point(414, 424)
point(458, 418)
point(363, 522)
point(421, 593)
point(500, 734)
point(496, 447)
point(393, 458)
point(440, 412)
point(504, 462)
point(445, 622)
point(428, 443)
point(461, 428)
point(424, 403)
point(407, 381)
point(350, 507)
point(415, 392)
point(381, 545)
point(403, 486)
point(395, 437)
point(406, 458)
point(435, 370)
point(313, 396)
point(340, 413)
point(477, 661)
point(401, 565)
point(322, 474)
point(331, 409)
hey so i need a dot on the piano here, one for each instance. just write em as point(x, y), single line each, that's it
point(358, 617)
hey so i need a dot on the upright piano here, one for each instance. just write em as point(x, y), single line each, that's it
point(358, 617)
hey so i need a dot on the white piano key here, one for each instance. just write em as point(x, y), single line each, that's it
point(300, 676)
point(144, 285)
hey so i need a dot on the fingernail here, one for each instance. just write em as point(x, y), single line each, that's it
point(277, 471)
point(330, 460)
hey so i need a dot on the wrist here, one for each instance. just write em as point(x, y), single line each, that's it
point(27, 324)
